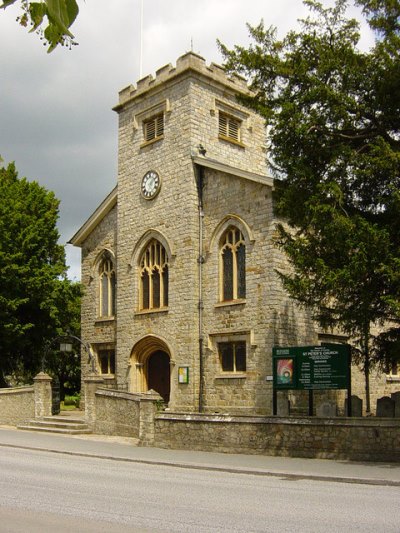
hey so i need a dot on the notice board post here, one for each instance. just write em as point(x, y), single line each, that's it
point(325, 367)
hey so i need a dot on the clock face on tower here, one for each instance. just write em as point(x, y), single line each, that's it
point(151, 184)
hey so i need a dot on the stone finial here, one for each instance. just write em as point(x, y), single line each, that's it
point(42, 376)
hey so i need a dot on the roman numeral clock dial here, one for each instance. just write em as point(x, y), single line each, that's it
point(151, 184)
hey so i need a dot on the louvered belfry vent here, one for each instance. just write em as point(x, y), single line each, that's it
point(229, 127)
point(154, 128)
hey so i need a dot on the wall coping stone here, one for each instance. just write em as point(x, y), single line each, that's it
point(113, 393)
point(131, 396)
point(17, 390)
point(294, 421)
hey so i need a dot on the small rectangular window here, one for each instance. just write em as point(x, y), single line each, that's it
point(153, 128)
point(229, 127)
point(392, 367)
point(232, 356)
point(106, 361)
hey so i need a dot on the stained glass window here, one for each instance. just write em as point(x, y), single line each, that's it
point(233, 265)
point(145, 290)
point(165, 284)
point(106, 287)
point(241, 270)
point(154, 277)
point(227, 261)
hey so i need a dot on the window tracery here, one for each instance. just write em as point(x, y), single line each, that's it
point(106, 287)
point(232, 265)
point(154, 277)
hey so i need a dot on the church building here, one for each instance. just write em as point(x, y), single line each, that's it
point(181, 293)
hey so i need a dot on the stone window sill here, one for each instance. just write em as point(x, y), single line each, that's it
point(229, 303)
point(392, 379)
point(103, 320)
point(231, 140)
point(151, 311)
point(230, 375)
point(152, 141)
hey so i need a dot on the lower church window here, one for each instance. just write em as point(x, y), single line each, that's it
point(392, 367)
point(232, 356)
point(106, 360)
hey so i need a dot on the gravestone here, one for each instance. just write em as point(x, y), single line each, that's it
point(396, 398)
point(326, 410)
point(356, 406)
point(385, 407)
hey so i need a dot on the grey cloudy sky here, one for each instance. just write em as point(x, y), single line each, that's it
point(56, 120)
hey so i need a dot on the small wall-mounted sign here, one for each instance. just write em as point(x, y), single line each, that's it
point(183, 374)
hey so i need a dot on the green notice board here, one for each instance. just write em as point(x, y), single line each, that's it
point(312, 367)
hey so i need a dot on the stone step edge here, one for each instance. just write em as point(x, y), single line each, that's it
point(48, 424)
point(64, 420)
point(56, 430)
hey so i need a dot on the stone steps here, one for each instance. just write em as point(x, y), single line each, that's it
point(58, 424)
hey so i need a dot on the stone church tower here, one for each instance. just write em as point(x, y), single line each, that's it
point(178, 265)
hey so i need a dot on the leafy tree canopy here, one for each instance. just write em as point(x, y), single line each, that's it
point(51, 19)
point(37, 301)
point(333, 117)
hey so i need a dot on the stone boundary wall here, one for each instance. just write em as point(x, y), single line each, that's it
point(124, 414)
point(17, 405)
point(117, 413)
point(356, 439)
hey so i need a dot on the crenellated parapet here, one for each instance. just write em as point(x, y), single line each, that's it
point(188, 62)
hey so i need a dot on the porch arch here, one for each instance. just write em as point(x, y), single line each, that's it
point(151, 366)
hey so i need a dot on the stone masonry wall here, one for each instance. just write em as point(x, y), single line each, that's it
point(172, 218)
point(117, 413)
point(349, 439)
point(17, 405)
point(95, 330)
point(267, 317)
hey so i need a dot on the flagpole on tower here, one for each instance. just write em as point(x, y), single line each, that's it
point(141, 41)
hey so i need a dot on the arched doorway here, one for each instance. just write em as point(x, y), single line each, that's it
point(158, 374)
point(150, 367)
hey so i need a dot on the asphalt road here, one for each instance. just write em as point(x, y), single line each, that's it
point(46, 492)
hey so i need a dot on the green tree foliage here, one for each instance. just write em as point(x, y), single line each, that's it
point(50, 19)
point(333, 116)
point(37, 302)
point(65, 366)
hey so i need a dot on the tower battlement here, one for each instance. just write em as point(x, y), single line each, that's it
point(188, 62)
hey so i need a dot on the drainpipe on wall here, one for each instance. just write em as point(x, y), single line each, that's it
point(199, 174)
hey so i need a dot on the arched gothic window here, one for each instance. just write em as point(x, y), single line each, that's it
point(154, 277)
point(232, 265)
point(106, 287)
